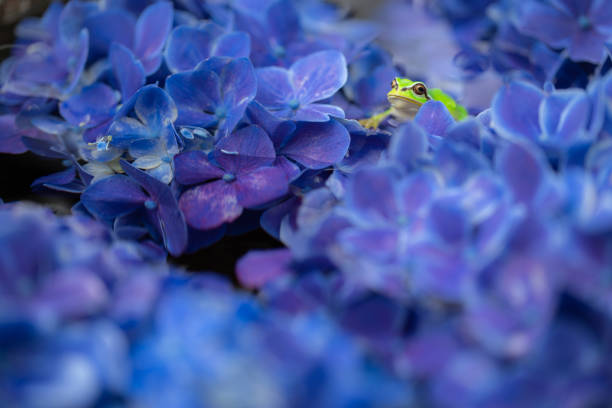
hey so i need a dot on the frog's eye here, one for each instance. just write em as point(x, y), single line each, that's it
point(419, 89)
point(394, 84)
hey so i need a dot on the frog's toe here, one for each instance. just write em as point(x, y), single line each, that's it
point(369, 123)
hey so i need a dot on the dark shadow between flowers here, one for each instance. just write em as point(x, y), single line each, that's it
point(222, 256)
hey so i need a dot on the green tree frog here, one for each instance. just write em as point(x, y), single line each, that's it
point(406, 97)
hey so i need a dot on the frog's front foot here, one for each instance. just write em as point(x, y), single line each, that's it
point(370, 123)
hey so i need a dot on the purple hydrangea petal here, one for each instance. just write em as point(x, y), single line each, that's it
point(127, 69)
point(434, 117)
point(193, 167)
point(292, 170)
point(375, 317)
point(380, 244)
point(113, 196)
point(90, 107)
point(73, 294)
point(588, 46)
point(257, 268)
point(261, 186)
point(245, 150)
point(274, 87)
point(317, 145)
point(318, 76)
point(210, 205)
point(152, 29)
point(515, 111)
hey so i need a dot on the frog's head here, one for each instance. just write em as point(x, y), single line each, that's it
point(404, 91)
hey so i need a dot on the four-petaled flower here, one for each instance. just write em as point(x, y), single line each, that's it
point(239, 174)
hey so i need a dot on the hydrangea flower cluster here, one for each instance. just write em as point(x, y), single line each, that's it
point(433, 262)
point(88, 319)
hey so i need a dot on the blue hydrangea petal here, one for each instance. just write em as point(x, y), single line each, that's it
point(416, 191)
point(448, 220)
point(547, 23)
point(409, 143)
point(515, 111)
point(245, 150)
point(155, 107)
point(152, 29)
point(468, 131)
point(601, 16)
point(273, 217)
point(318, 76)
point(458, 162)
point(318, 112)
point(171, 223)
point(373, 317)
point(371, 193)
point(434, 117)
point(60, 178)
point(239, 87)
point(188, 46)
point(210, 205)
point(193, 167)
point(274, 87)
point(107, 27)
point(93, 105)
point(113, 196)
point(564, 116)
point(127, 69)
point(10, 138)
point(523, 168)
point(317, 145)
point(197, 94)
point(126, 130)
point(257, 268)
point(236, 44)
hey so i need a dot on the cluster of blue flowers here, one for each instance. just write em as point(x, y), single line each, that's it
point(426, 263)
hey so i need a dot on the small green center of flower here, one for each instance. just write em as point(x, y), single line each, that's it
point(150, 204)
point(584, 22)
point(220, 112)
point(294, 104)
point(278, 51)
point(229, 177)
